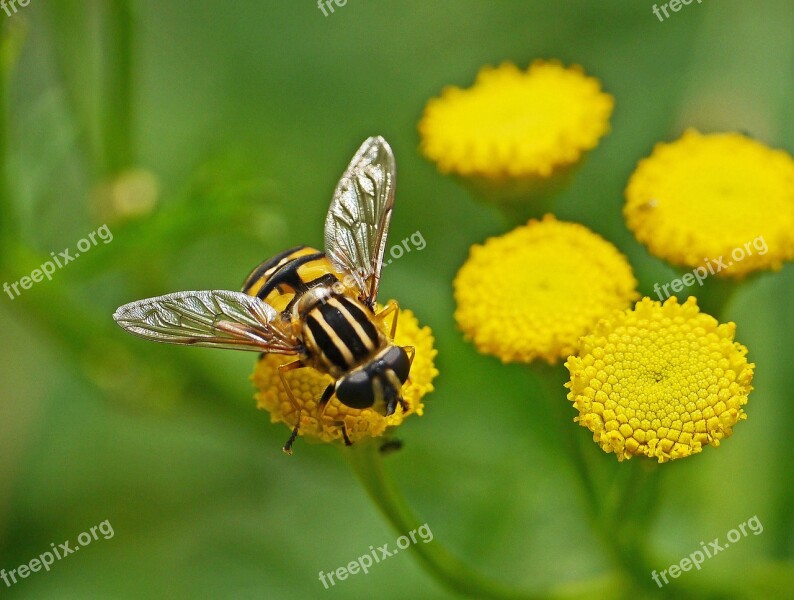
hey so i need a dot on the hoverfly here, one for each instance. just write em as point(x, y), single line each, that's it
point(318, 306)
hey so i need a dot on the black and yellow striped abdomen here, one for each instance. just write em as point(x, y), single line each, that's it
point(291, 273)
point(337, 331)
point(341, 334)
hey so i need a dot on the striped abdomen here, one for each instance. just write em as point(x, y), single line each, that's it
point(339, 333)
point(290, 273)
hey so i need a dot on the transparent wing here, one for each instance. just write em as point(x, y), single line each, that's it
point(358, 220)
point(217, 318)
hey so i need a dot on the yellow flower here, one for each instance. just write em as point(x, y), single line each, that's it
point(532, 292)
point(308, 385)
point(128, 195)
point(708, 197)
point(660, 381)
point(516, 124)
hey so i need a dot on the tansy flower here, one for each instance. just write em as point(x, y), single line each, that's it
point(515, 127)
point(532, 292)
point(721, 200)
point(308, 385)
point(660, 381)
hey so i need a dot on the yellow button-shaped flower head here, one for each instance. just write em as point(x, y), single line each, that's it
point(308, 385)
point(514, 123)
point(531, 293)
point(721, 196)
point(660, 381)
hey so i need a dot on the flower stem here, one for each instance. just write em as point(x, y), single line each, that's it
point(716, 295)
point(118, 91)
point(12, 37)
point(619, 518)
point(552, 379)
point(521, 199)
point(367, 462)
point(515, 214)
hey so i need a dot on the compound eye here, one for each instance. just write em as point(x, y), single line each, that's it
point(355, 390)
point(397, 360)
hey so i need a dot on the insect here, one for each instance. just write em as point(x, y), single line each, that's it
point(318, 306)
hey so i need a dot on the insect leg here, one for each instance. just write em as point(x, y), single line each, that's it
point(296, 364)
point(329, 391)
point(391, 307)
point(327, 394)
point(411, 350)
point(344, 435)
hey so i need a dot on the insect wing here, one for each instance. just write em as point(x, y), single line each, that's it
point(358, 220)
point(216, 318)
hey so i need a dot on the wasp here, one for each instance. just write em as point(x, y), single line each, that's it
point(319, 306)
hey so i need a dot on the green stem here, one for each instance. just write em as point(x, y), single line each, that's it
point(73, 29)
point(520, 199)
point(552, 379)
point(715, 296)
point(626, 518)
point(12, 37)
point(117, 364)
point(367, 463)
point(117, 83)
point(615, 517)
point(516, 214)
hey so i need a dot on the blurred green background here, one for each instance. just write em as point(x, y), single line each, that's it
point(241, 116)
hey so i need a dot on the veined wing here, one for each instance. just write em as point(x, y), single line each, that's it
point(358, 219)
point(214, 318)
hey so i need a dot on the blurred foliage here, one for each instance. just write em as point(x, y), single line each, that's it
point(243, 115)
